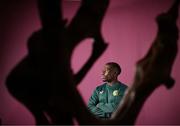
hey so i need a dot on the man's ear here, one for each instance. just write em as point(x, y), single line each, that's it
point(115, 73)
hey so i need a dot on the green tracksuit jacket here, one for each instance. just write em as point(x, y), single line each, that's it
point(105, 99)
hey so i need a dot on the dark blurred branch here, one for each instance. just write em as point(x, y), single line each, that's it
point(87, 24)
point(153, 70)
point(50, 13)
point(98, 49)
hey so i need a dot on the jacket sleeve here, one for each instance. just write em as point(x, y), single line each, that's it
point(107, 107)
point(93, 101)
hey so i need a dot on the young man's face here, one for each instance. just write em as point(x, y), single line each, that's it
point(108, 74)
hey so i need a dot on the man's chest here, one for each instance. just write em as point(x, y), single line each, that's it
point(109, 95)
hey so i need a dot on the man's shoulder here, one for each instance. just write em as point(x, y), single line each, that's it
point(122, 85)
point(100, 87)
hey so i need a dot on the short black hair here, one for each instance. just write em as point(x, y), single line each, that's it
point(115, 65)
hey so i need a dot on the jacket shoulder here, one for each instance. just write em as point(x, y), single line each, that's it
point(124, 86)
point(101, 87)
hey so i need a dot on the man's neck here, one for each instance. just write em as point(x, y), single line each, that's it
point(112, 82)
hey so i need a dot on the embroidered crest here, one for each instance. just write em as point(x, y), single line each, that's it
point(101, 92)
point(115, 93)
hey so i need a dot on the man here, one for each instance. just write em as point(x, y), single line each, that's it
point(107, 96)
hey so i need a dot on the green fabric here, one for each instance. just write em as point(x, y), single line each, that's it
point(103, 101)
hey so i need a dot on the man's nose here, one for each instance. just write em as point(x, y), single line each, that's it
point(103, 74)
